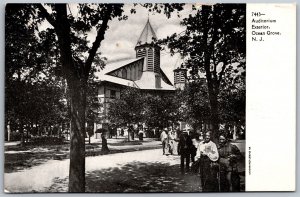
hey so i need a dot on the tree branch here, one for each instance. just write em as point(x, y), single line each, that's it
point(98, 40)
point(211, 47)
point(44, 13)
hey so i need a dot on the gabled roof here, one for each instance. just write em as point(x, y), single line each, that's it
point(102, 75)
point(147, 82)
point(117, 80)
point(147, 35)
point(117, 64)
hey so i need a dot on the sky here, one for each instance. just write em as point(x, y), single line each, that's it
point(122, 36)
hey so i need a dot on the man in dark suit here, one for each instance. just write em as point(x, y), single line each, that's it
point(184, 150)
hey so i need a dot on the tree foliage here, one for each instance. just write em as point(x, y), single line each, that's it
point(74, 55)
point(161, 110)
point(232, 97)
point(33, 95)
point(213, 40)
point(128, 109)
point(135, 106)
point(195, 103)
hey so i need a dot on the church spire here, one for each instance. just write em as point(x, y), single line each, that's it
point(147, 34)
point(148, 50)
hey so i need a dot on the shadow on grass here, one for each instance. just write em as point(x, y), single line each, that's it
point(136, 177)
point(23, 160)
point(142, 177)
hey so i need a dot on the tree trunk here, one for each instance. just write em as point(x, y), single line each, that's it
point(76, 73)
point(76, 80)
point(22, 134)
point(77, 140)
point(214, 114)
point(211, 81)
point(129, 134)
point(27, 134)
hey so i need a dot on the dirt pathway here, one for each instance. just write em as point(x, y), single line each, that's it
point(139, 171)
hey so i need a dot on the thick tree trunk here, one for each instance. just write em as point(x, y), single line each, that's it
point(22, 135)
point(129, 134)
point(77, 139)
point(211, 81)
point(214, 117)
point(76, 74)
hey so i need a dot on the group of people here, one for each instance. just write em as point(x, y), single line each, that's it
point(169, 140)
point(217, 164)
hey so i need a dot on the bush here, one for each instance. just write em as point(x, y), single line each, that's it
point(46, 140)
point(15, 136)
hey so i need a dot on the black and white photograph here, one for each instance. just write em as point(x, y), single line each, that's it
point(114, 98)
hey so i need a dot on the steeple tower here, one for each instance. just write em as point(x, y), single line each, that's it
point(180, 78)
point(146, 48)
point(180, 74)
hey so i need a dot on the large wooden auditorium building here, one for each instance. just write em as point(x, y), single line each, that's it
point(143, 72)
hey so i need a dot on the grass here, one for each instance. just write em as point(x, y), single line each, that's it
point(22, 157)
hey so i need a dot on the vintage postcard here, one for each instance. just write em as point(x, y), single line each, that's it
point(150, 97)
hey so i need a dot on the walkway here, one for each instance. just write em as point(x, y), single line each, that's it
point(139, 171)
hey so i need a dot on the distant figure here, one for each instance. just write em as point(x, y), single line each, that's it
point(164, 140)
point(184, 150)
point(172, 136)
point(229, 156)
point(196, 141)
point(104, 143)
point(141, 134)
point(130, 133)
point(122, 132)
point(207, 153)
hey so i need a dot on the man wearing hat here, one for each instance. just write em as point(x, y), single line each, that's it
point(184, 150)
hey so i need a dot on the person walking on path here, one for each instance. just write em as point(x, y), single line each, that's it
point(184, 150)
point(164, 140)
